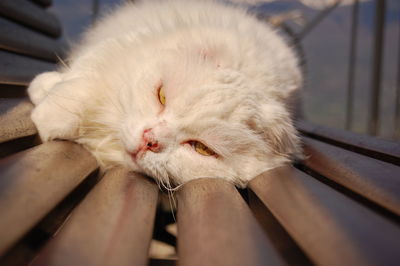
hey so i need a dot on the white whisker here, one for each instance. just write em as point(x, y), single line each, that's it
point(62, 61)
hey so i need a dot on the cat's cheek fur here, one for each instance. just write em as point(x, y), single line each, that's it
point(184, 164)
point(209, 167)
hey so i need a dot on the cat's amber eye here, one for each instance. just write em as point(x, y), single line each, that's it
point(202, 149)
point(161, 95)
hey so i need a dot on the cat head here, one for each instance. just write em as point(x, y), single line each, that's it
point(194, 105)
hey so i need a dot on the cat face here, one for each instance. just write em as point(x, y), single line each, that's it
point(190, 116)
point(191, 109)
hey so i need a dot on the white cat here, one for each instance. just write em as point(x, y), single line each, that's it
point(177, 90)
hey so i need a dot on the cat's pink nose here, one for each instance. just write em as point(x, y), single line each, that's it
point(150, 142)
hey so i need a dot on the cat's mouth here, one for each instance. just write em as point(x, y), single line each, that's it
point(143, 148)
point(136, 155)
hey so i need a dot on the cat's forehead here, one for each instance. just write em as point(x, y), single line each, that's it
point(212, 108)
point(217, 93)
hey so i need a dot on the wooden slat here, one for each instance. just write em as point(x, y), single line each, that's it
point(284, 244)
point(380, 149)
point(15, 119)
point(112, 226)
point(31, 15)
point(22, 40)
point(19, 70)
point(376, 180)
point(34, 181)
point(331, 228)
point(216, 227)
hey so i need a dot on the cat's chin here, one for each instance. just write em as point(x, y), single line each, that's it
point(131, 163)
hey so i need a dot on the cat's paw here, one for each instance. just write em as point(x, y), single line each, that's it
point(42, 84)
point(54, 122)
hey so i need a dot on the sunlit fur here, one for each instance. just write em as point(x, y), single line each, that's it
point(226, 78)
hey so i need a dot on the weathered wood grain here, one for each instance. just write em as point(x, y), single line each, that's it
point(329, 227)
point(112, 226)
point(376, 180)
point(34, 181)
point(15, 119)
point(216, 227)
point(374, 147)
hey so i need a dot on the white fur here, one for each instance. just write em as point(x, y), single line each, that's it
point(226, 78)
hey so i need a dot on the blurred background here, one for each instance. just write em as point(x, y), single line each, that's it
point(351, 49)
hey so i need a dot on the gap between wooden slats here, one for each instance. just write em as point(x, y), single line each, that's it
point(216, 227)
point(20, 70)
point(31, 15)
point(330, 228)
point(12, 91)
point(380, 149)
point(19, 39)
point(15, 119)
point(34, 181)
point(44, 3)
point(112, 226)
point(376, 180)
point(13, 146)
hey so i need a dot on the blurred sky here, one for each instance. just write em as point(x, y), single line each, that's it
point(326, 48)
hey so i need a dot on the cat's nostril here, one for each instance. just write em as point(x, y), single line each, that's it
point(153, 146)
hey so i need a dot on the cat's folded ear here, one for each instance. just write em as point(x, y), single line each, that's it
point(276, 128)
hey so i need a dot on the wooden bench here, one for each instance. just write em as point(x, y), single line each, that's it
point(340, 206)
